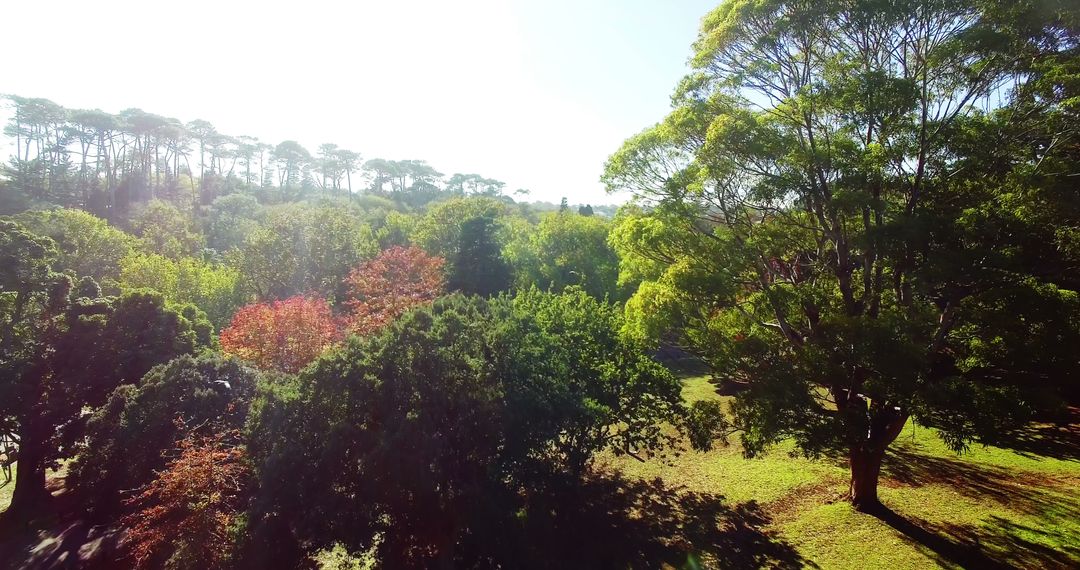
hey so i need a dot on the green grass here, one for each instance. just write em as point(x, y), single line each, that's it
point(948, 510)
point(6, 490)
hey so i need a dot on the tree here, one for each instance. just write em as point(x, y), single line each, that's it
point(39, 124)
point(300, 250)
point(230, 220)
point(281, 335)
point(474, 185)
point(166, 231)
point(185, 517)
point(86, 245)
point(432, 428)
point(62, 355)
point(823, 225)
point(328, 166)
point(381, 171)
point(439, 230)
point(472, 224)
point(129, 435)
point(348, 162)
point(397, 279)
point(394, 228)
point(413, 408)
point(214, 288)
point(202, 131)
point(145, 131)
point(413, 175)
point(575, 385)
point(562, 250)
point(246, 149)
point(478, 266)
point(291, 159)
point(585, 210)
point(93, 130)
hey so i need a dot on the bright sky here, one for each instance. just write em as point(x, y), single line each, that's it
point(537, 93)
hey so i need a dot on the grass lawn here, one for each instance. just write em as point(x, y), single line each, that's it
point(987, 508)
point(6, 490)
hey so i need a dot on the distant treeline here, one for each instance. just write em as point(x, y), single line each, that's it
point(104, 163)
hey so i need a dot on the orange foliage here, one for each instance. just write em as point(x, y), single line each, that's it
point(282, 335)
point(395, 281)
point(187, 513)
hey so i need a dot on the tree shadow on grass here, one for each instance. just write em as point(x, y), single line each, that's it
point(1000, 543)
point(941, 544)
point(607, 521)
point(1020, 491)
point(1011, 543)
point(1060, 440)
point(997, 542)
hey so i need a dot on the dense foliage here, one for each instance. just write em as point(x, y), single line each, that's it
point(281, 335)
point(397, 279)
point(212, 287)
point(186, 517)
point(62, 352)
point(563, 250)
point(128, 435)
point(86, 245)
point(485, 396)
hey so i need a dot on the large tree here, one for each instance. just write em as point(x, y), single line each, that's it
point(230, 219)
point(61, 354)
point(477, 266)
point(859, 209)
point(438, 231)
point(468, 233)
point(166, 230)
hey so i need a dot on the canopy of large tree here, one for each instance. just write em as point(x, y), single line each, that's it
point(866, 211)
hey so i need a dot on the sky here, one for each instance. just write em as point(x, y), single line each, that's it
point(536, 93)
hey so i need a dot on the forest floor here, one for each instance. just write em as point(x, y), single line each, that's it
point(57, 539)
point(987, 508)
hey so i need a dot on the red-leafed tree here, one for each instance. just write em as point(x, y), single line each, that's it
point(185, 516)
point(396, 280)
point(282, 335)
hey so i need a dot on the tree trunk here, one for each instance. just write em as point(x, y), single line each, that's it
point(29, 493)
point(865, 471)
